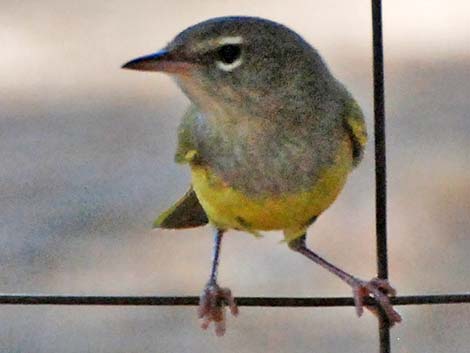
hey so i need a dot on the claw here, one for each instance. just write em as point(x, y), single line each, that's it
point(358, 295)
point(384, 286)
point(380, 289)
point(212, 307)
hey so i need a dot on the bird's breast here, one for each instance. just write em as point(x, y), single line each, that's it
point(260, 158)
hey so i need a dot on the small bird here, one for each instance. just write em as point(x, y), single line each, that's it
point(270, 138)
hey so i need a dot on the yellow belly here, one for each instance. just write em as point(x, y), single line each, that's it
point(228, 208)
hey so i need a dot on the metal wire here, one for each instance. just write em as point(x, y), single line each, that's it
point(43, 299)
point(380, 165)
point(379, 139)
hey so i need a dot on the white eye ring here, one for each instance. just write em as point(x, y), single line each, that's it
point(229, 67)
point(230, 40)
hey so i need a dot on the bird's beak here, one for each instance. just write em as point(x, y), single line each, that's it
point(163, 60)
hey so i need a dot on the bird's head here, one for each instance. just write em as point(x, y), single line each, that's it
point(238, 63)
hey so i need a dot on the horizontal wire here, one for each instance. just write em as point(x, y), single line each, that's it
point(40, 299)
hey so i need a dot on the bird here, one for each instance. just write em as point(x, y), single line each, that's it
point(270, 138)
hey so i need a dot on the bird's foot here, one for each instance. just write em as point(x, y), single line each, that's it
point(380, 289)
point(212, 307)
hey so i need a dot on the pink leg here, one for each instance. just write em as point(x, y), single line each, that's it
point(380, 289)
point(214, 298)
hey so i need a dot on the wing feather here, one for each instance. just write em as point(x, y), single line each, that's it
point(356, 127)
point(187, 212)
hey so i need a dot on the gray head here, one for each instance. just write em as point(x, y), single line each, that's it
point(244, 63)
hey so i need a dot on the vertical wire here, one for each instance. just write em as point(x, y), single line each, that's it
point(380, 163)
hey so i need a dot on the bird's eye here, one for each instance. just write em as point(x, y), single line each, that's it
point(228, 53)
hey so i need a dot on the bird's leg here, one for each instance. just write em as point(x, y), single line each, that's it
point(380, 289)
point(214, 298)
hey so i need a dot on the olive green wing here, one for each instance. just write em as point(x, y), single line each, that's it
point(187, 145)
point(187, 212)
point(356, 127)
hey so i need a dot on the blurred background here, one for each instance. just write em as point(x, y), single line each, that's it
point(86, 154)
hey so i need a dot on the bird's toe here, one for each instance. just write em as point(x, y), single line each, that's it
point(212, 305)
point(380, 290)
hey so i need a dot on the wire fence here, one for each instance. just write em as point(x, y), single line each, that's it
point(381, 237)
point(44, 299)
point(380, 164)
